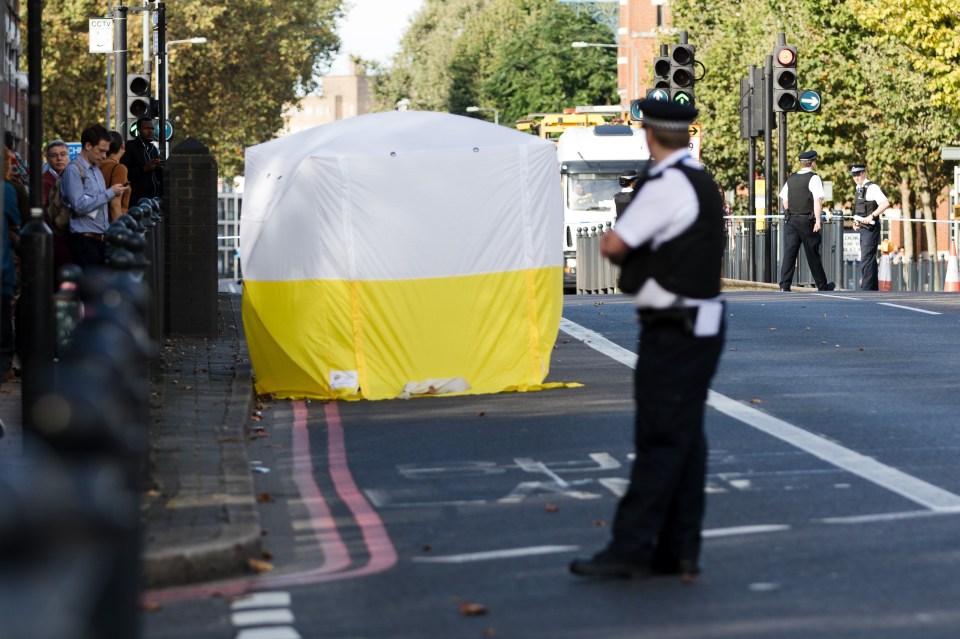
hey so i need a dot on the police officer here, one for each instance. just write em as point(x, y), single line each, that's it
point(868, 204)
point(623, 198)
point(669, 243)
point(802, 223)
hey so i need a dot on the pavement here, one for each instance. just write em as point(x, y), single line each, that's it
point(198, 504)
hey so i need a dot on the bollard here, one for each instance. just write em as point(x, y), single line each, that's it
point(71, 518)
point(581, 252)
point(66, 306)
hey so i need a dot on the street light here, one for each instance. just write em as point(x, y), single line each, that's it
point(496, 112)
point(636, 62)
point(162, 134)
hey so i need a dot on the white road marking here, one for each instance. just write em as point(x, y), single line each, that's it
point(495, 554)
point(598, 342)
point(283, 632)
point(262, 600)
point(909, 308)
point(916, 490)
point(262, 617)
point(744, 530)
point(530, 551)
point(867, 519)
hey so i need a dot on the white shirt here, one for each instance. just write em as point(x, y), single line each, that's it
point(661, 210)
point(874, 194)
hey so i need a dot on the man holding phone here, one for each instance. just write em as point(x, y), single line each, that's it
point(143, 162)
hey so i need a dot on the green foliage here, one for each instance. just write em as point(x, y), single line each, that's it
point(513, 55)
point(228, 93)
point(871, 76)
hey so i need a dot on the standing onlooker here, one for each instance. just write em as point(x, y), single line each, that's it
point(802, 223)
point(669, 243)
point(11, 227)
point(84, 191)
point(20, 172)
point(868, 204)
point(58, 157)
point(143, 162)
point(116, 173)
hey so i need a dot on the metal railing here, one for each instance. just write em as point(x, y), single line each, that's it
point(744, 258)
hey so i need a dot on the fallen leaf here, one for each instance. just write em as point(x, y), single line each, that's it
point(599, 523)
point(150, 606)
point(489, 632)
point(256, 418)
point(468, 609)
point(771, 329)
point(481, 414)
point(257, 565)
point(551, 508)
point(426, 548)
point(265, 498)
point(756, 401)
point(266, 554)
point(862, 349)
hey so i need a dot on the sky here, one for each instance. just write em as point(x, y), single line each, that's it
point(372, 29)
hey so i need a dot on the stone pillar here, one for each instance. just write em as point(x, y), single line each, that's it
point(190, 219)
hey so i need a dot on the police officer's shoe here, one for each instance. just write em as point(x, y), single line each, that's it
point(784, 289)
point(687, 569)
point(606, 564)
point(829, 286)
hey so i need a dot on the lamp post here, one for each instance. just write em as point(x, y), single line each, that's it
point(162, 134)
point(496, 112)
point(636, 62)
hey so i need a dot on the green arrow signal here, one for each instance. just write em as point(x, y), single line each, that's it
point(682, 98)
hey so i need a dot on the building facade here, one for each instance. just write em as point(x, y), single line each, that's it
point(344, 96)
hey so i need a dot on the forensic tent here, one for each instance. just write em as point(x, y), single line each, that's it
point(401, 253)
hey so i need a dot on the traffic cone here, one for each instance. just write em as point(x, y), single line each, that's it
point(883, 274)
point(952, 283)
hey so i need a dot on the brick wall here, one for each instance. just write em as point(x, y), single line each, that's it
point(190, 251)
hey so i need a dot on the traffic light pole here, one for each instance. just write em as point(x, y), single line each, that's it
point(162, 78)
point(768, 169)
point(35, 305)
point(120, 70)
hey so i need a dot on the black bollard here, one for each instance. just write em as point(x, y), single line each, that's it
point(36, 334)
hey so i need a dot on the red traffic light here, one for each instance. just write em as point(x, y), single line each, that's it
point(786, 56)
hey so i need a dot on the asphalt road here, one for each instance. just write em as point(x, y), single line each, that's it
point(833, 492)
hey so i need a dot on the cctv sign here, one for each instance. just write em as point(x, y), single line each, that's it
point(101, 35)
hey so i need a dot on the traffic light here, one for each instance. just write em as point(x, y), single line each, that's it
point(138, 97)
point(681, 73)
point(786, 95)
point(661, 72)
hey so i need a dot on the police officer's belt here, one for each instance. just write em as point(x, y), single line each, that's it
point(684, 316)
point(805, 216)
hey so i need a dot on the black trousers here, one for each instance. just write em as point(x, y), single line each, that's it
point(797, 231)
point(87, 251)
point(659, 518)
point(869, 243)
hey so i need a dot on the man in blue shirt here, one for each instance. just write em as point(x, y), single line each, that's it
point(84, 191)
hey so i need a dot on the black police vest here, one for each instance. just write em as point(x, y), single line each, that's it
point(688, 265)
point(861, 205)
point(799, 196)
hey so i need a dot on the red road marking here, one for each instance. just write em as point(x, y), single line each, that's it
point(336, 556)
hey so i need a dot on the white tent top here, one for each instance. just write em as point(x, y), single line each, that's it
point(371, 197)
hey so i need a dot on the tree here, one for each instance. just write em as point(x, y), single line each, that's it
point(228, 93)
point(513, 54)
